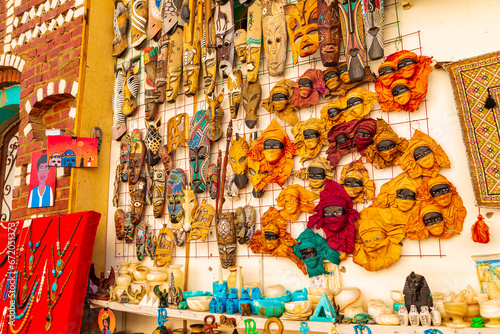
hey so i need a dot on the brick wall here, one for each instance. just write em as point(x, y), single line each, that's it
point(41, 43)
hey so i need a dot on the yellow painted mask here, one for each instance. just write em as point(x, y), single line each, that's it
point(294, 199)
point(430, 221)
point(399, 193)
point(239, 160)
point(356, 182)
point(255, 173)
point(189, 205)
point(279, 102)
point(203, 218)
point(310, 136)
point(318, 171)
point(302, 26)
point(164, 247)
point(387, 146)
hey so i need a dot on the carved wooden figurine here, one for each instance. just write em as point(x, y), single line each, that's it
point(252, 93)
point(159, 180)
point(351, 20)
point(329, 32)
point(199, 150)
point(101, 283)
point(119, 120)
point(120, 27)
point(240, 44)
point(215, 115)
point(274, 30)
point(373, 19)
point(193, 32)
point(130, 88)
point(209, 50)
point(302, 26)
point(153, 142)
point(139, 21)
point(417, 291)
point(235, 86)
point(254, 40)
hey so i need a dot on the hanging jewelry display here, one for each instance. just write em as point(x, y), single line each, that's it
point(33, 248)
point(28, 276)
point(60, 262)
point(39, 294)
point(57, 272)
point(52, 299)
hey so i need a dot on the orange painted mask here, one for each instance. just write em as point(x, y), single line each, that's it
point(255, 173)
point(310, 136)
point(387, 146)
point(430, 221)
point(399, 193)
point(294, 199)
point(356, 182)
point(318, 171)
point(307, 88)
point(302, 26)
point(279, 102)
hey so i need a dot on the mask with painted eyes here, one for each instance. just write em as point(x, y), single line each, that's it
point(356, 182)
point(274, 32)
point(166, 159)
point(159, 179)
point(125, 148)
point(202, 220)
point(279, 102)
point(119, 224)
point(213, 181)
point(423, 156)
point(226, 239)
point(405, 199)
point(230, 188)
point(153, 142)
point(307, 89)
point(240, 44)
point(170, 17)
point(351, 21)
point(254, 40)
point(189, 206)
point(215, 115)
point(332, 80)
point(138, 199)
point(329, 32)
point(174, 65)
point(238, 159)
point(431, 221)
point(235, 85)
point(256, 177)
point(192, 51)
point(164, 247)
point(209, 50)
point(120, 27)
point(387, 146)
point(273, 150)
point(399, 193)
point(199, 150)
point(317, 172)
point(150, 67)
point(139, 19)
point(302, 26)
point(130, 88)
point(310, 136)
point(373, 19)
point(252, 93)
point(224, 30)
point(129, 229)
point(294, 199)
point(175, 183)
point(137, 154)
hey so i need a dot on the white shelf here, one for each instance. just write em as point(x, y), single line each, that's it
point(288, 325)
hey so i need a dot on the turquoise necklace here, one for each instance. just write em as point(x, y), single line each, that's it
point(57, 272)
point(60, 254)
point(52, 301)
point(27, 277)
point(33, 248)
point(28, 307)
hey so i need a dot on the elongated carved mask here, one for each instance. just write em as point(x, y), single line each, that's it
point(351, 20)
point(215, 115)
point(138, 198)
point(119, 224)
point(192, 51)
point(209, 50)
point(176, 137)
point(120, 27)
point(373, 19)
point(224, 30)
point(202, 220)
point(238, 159)
point(274, 31)
point(189, 205)
point(129, 229)
point(174, 65)
point(226, 239)
point(240, 44)
point(164, 247)
point(235, 84)
point(329, 32)
point(130, 89)
point(139, 22)
point(176, 182)
point(119, 120)
point(137, 154)
point(254, 40)
point(150, 67)
point(252, 93)
point(125, 147)
point(302, 26)
point(199, 150)
point(170, 17)
point(154, 20)
point(159, 179)
point(153, 142)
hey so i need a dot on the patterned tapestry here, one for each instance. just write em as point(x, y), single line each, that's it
point(480, 126)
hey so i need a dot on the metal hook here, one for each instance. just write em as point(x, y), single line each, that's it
point(418, 125)
point(239, 124)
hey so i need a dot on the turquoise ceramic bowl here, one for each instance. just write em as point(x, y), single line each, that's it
point(286, 298)
point(189, 294)
point(396, 306)
point(269, 307)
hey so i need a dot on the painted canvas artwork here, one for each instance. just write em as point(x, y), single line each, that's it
point(42, 181)
point(65, 151)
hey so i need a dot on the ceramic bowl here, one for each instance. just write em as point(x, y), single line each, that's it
point(286, 298)
point(268, 308)
point(141, 273)
point(275, 291)
point(123, 280)
point(299, 295)
point(319, 291)
point(157, 276)
point(195, 293)
point(299, 307)
point(199, 304)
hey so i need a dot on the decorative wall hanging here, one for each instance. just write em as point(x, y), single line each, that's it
point(402, 81)
point(254, 40)
point(116, 186)
point(470, 89)
point(274, 32)
point(215, 115)
point(137, 154)
point(176, 137)
point(150, 67)
point(399, 193)
point(138, 199)
point(139, 20)
point(166, 159)
point(356, 104)
point(274, 151)
point(338, 82)
point(235, 86)
point(175, 183)
point(317, 172)
point(226, 239)
point(125, 148)
point(153, 142)
point(193, 32)
point(174, 65)
point(294, 199)
point(351, 20)
point(356, 182)
point(224, 30)
point(189, 206)
point(42, 181)
point(302, 26)
point(280, 102)
point(423, 157)
point(254, 172)
point(240, 44)
point(274, 240)
point(310, 136)
point(66, 151)
point(154, 18)
point(199, 150)
point(120, 27)
point(170, 16)
point(347, 137)
point(106, 321)
point(129, 229)
point(373, 19)
point(238, 159)
point(119, 120)
point(329, 32)
point(336, 216)
point(119, 224)
point(312, 249)
point(203, 218)
point(252, 93)
point(159, 180)
point(307, 88)
point(433, 221)
point(130, 88)
point(209, 50)
point(387, 146)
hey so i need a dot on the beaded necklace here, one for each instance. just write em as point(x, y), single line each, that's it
point(33, 248)
point(57, 273)
point(39, 295)
point(30, 302)
point(52, 302)
point(60, 263)
point(27, 277)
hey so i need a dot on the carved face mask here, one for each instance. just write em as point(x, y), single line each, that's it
point(199, 150)
point(329, 32)
point(230, 188)
point(356, 182)
point(274, 240)
point(159, 179)
point(176, 137)
point(279, 102)
point(170, 16)
point(175, 182)
point(224, 30)
point(202, 220)
point(189, 205)
point(302, 26)
point(129, 229)
point(373, 19)
point(294, 199)
point(153, 142)
point(317, 172)
point(120, 27)
point(150, 67)
point(209, 50)
point(310, 136)
point(240, 225)
point(387, 146)
point(307, 89)
point(235, 84)
point(119, 120)
point(240, 44)
point(254, 40)
point(192, 51)
point(119, 224)
point(125, 147)
point(215, 116)
point(174, 65)
point(250, 219)
point(130, 89)
point(137, 154)
point(226, 239)
point(166, 159)
point(161, 70)
point(402, 81)
point(213, 181)
point(139, 21)
point(398, 193)
point(154, 19)
point(238, 159)
point(138, 199)
point(252, 93)
point(274, 32)
point(353, 38)
point(332, 79)
point(164, 247)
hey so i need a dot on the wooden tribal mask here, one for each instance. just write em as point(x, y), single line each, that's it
point(176, 137)
point(174, 65)
point(139, 21)
point(159, 180)
point(203, 218)
point(154, 19)
point(137, 155)
point(356, 182)
point(280, 102)
point(224, 30)
point(294, 199)
point(387, 146)
point(199, 150)
point(402, 81)
point(351, 20)
point(130, 88)
point(235, 86)
point(119, 224)
point(274, 239)
point(138, 199)
point(254, 172)
point(129, 229)
point(226, 239)
point(238, 159)
point(240, 44)
point(254, 40)
point(166, 159)
point(302, 26)
point(307, 89)
point(119, 120)
point(252, 93)
point(175, 196)
point(215, 115)
point(161, 69)
point(318, 171)
point(125, 148)
point(170, 15)
point(150, 67)
point(310, 136)
point(373, 19)
point(153, 142)
point(164, 247)
point(120, 27)
point(193, 32)
point(244, 220)
point(213, 181)
point(209, 50)
point(329, 32)
point(274, 32)
point(189, 205)
point(338, 82)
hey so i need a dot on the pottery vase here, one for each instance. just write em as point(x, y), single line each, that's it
point(403, 316)
point(132, 265)
point(457, 311)
point(413, 316)
point(491, 310)
point(178, 275)
point(122, 282)
point(140, 273)
point(436, 316)
point(425, 316)
point(124, 269)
